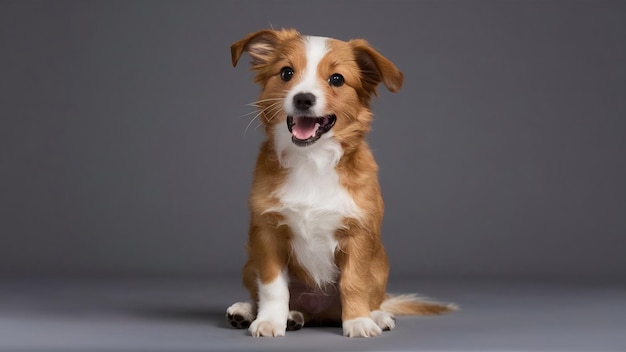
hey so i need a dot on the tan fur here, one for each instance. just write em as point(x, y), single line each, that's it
point(361, 257)
point(410, 304)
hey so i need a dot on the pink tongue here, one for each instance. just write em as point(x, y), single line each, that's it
point(304, 128)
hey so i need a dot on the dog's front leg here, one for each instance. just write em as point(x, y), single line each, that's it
point(273, 307)
point(356, 289)
point(271, 283)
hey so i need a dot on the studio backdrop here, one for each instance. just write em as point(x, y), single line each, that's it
point(127, 145)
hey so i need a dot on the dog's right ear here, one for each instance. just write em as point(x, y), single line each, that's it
point(259, 45)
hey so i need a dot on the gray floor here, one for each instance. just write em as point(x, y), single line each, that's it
point(182, 315)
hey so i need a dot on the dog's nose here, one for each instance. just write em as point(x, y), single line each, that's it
point(304, 101)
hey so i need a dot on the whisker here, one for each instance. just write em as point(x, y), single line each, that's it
point(274, 109)
point(250, 123)
point(274, 115)
point(265, 110)
point(250, 113)
point(255, 103)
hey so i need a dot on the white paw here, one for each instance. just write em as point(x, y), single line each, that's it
point(267, 328)
point(361, 327)
point(240, 315)
point(384, 320)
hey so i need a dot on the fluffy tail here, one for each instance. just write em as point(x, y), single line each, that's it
point(414, 305)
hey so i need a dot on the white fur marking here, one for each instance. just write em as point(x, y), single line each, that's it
point(361, 327)
point(273, 312)
point(384, 320)
point(244, 309)
point(313, 202)
point(315, 49)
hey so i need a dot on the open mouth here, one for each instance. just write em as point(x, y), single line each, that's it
point(306, 130)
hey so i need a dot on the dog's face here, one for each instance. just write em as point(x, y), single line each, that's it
point(314, 87)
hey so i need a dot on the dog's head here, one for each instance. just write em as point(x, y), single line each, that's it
point(315, 87)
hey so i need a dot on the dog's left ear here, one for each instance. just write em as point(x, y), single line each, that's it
point(375, 68)
point(259, 45)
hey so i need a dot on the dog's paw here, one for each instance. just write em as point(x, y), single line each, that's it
point(240, 315)
point(267, 328)
point(385, 320)
point(361, 327)
point(295, 321)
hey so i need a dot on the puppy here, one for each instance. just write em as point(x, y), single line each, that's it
point(314, 248)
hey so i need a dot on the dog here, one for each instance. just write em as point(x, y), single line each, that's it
point(315, 254)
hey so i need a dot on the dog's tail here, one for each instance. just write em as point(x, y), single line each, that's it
point(411, 304)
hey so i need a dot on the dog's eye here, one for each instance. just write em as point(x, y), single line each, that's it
point(335, 80)
point(286, 73)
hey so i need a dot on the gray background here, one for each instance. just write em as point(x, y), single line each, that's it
point(123, 152)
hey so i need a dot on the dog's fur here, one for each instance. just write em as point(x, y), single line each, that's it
point(316, 208)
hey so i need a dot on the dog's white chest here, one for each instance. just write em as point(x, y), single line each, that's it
point(314, 204)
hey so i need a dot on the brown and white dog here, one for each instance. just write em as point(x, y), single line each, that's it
point(314, 247)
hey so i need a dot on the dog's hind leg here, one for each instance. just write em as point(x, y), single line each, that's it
point(385, 320)
point(240, 315)
point(295, 320)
